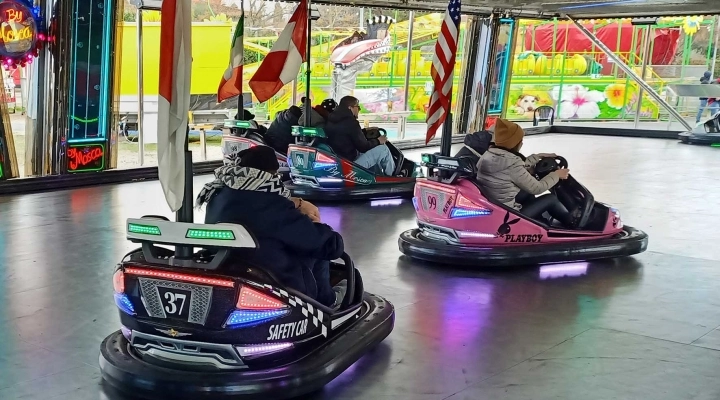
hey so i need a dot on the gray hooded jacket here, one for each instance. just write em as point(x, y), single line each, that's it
point(503, 174)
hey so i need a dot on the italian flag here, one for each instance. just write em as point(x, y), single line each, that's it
point(231, 82)
point(282, 64)
point(174, 98)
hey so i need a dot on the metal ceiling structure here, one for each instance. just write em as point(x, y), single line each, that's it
point(585, 9)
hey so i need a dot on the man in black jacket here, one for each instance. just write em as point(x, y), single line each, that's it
point(703, 100)
point(279, 134)
point(295, 249)
point(347, 138)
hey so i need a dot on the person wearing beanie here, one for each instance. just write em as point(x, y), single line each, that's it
point(279, 134)
point(504, 174)
point(319, 114)
point(291, 246)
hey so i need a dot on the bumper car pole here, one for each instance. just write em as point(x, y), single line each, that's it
point(185, 213)
point(308, 102)
point(446, 138)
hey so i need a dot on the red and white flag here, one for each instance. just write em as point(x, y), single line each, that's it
point(282, 64)
point(443, 67)
point(231, 83)
point(174, 98)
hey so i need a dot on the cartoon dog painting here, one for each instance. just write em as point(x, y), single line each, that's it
point(526, 105)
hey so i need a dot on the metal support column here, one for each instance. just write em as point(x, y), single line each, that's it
point(514, 34)
point(619, 62)
point(489, 66)
point(646, 56)
point(141, 95)
point(467, 74)
point(41, 121)
point(408, 65)
point(715, 50)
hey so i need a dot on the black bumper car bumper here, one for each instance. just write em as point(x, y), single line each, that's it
point(702, 139)
point(631, 241)
point(369, 192)
point(124, 370)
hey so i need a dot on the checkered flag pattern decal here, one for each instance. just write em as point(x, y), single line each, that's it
point(307, 309)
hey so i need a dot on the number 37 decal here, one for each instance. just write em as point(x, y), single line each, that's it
point(175, 303)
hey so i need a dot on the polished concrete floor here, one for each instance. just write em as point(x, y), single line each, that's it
point(638, 328)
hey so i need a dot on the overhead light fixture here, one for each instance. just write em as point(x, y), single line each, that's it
point(314, 12)
point(604, 4)
point(644, 21)
point(147, 5)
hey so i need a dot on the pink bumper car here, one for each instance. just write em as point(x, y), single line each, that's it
point(458, 224)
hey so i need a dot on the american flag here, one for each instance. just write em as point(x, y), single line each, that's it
point(442, 69)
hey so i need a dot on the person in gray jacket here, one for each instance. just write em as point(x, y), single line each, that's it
point(506, 176)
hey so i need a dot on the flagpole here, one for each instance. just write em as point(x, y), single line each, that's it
point(308, 105)
point(242, 44)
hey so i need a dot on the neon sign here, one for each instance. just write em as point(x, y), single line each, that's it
point(86, 157)
point(21, 32)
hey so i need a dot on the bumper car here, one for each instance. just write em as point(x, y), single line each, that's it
point(244, 135)
point(211, 326)
point(318, 173)
point(458, 224)
point(707, 133)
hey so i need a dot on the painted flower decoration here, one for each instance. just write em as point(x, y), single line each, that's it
point(692, 25)
point(616, 94)
point(577, 102)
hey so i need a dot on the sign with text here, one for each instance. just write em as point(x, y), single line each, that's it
point(18, 29)
point(86, 157)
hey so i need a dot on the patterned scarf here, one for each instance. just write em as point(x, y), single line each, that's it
point(234, 176)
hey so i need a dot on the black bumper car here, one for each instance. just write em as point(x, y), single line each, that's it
point(707, 133)
point(212, 327)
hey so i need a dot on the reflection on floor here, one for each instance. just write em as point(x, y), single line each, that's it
point(639, 328)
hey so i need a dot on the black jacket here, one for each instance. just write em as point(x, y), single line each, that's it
point(345, 135)
point(279, 134)
point(289, 242)
point(705, 80)
point(479, 142)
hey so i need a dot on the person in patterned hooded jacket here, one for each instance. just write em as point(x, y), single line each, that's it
point(247, 190)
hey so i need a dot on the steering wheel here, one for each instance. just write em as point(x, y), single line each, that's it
point(382, 131)
point(549, 164)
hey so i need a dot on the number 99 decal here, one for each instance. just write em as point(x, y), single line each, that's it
point(432, 202)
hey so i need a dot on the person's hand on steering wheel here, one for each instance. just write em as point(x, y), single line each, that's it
point(382, 139)
point(545, 155)
point(562, 173)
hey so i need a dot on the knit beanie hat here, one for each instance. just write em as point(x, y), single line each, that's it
point(259, 157)
point(508, 134)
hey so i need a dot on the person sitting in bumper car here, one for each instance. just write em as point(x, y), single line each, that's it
point(292, 246)
point(349, 141)
point(505, 174)
point(279, 134)
point(318, 114)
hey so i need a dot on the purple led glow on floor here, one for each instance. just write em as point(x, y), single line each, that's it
point(387, 202)
point(554, 271)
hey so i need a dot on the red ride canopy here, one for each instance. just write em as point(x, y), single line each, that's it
point(570, 39)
